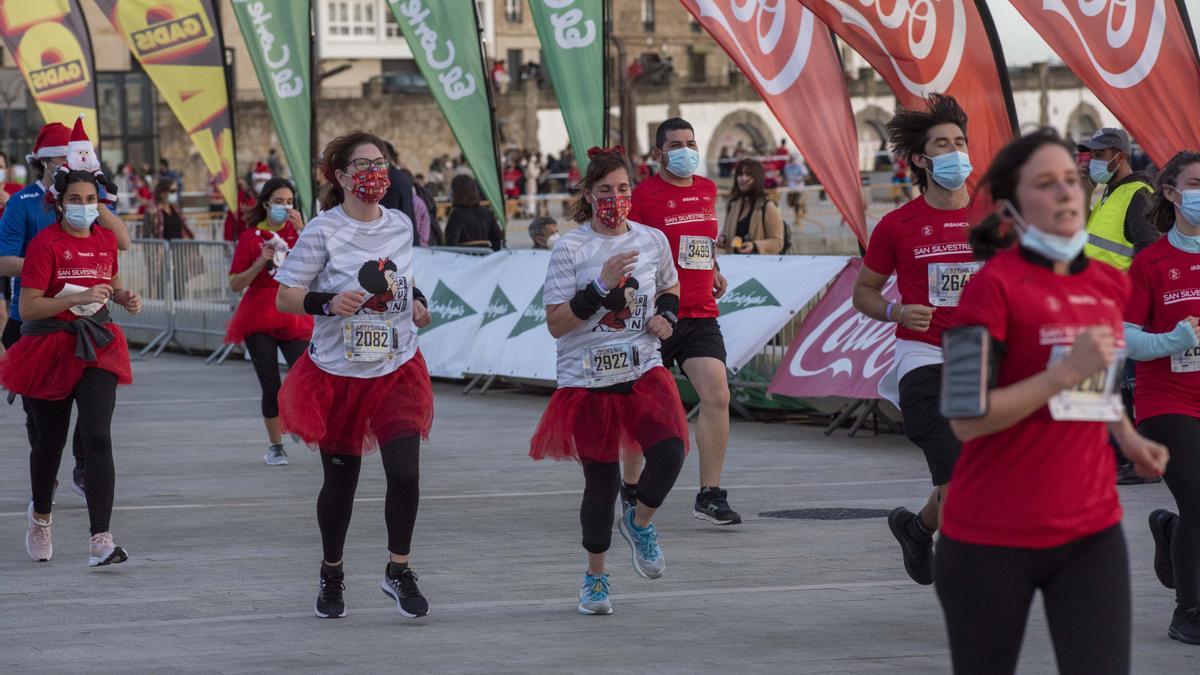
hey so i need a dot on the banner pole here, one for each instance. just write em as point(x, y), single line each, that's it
point(989, 27)
point(500, 208)
point(314, 87)
point(95, 86)
point(1187, 28)
point(227, 70)
point(607, 10)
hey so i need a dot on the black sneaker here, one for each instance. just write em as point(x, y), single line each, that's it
point(628, 496)
point(77, 483)
point(1126, 475)
point(330, 604)
point(712, 505)
point(1162, 524)
point(918, 554)
point(402, 587)
point(1185, 625)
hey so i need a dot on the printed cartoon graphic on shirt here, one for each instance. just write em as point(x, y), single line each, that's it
point(631, 316)
point(390, 290)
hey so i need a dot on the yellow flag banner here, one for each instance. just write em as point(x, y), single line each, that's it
point(178, 43)
point(49, 41)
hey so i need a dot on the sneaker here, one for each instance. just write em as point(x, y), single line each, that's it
point(918, 554)
point(1185, 625)
point(276, 456)
point(38, 540)
point(628, 496)
point(330, 604)
point(712, 505)
point(102, 551)
point(77, 483)
point(1162, 524)
point(402, 587)
point(648, 559)
point(593, 596)
point(1126, 475)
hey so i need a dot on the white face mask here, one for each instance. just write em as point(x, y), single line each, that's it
point(172, 197)
point(551, 240)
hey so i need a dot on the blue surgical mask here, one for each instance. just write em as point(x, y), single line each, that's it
point(1189, 206)
point(1183, 242)
point(1098, 170)
point(1052, 246)
point(682, 162)
point(81, 216)
point(951, 169)
point(279, 213)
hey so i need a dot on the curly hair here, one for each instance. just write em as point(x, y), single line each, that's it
point(1161, 211)
point(337, 156)
point(908, 130)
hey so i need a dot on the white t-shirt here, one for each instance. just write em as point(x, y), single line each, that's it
point(611, 347)
point(336, 253)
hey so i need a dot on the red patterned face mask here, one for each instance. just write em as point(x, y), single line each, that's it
point(612, 211)
point(370, 185)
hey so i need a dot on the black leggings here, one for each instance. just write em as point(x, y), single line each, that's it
point(1181, 435)
point(12, 333)
point(266, 366)
point(602, 484)
point(95, 396)
point(986, 592)
point(336, 501)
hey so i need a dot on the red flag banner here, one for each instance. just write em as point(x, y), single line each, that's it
point(921, 47)
point(789, 57)
point(838, 351)
point(1138, 58)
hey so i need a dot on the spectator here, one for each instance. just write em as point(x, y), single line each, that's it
point(165, 172)
point(500, 77)
point(126, 184)
point(512, 181)
point(399, 193)
point(273, 165)
point(752, 221)
point(9, 187)
point(165, 216)
point(469, 223)
point(724, 163)
point(423, 195)
point(235, 219)
point(259, 177)
point(544, 233)
point(796, 174)
point(901, 188)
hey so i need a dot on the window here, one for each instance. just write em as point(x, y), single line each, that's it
point(512, 10)
point(695, 25)
point(391, 29)
point(697, 66)
point(128, 127)
point(352, 18)
point(648, 15)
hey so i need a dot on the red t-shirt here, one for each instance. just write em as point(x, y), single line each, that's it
point(55, 259)
point(918, 242)
point(687, 215)
point(1166, 290)
point(1040, 483)
point(250, 246)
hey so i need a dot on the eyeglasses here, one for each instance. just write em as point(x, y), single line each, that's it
point(364, 164)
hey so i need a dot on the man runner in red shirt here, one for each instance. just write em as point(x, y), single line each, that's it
point(683, 206)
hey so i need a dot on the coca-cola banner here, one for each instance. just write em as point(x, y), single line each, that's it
point(922, 47)
point(1137, 57)
point(789, 57)
point(838, 351)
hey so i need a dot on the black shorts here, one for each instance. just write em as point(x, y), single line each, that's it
point(920, 404)
point(694, 338)
point(6, 288)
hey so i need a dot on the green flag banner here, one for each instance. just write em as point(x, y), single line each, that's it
point(445, 45)
point(572, 37)
point(277, 37)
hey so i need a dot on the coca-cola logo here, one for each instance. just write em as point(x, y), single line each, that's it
point(845, 339)
point(926, 31)
point(1118, 60)
point(772, 38)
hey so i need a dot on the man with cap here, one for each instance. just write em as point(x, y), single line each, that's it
point(28, 212)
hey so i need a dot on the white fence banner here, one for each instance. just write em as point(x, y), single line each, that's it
point(457, 288)
point(513, 340)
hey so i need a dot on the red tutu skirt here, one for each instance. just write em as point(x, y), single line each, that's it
point(351, 415)
point(256, 313)
point(45, 366)
point(596, 426)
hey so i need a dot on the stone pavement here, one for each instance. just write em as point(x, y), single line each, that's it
point(225, 554)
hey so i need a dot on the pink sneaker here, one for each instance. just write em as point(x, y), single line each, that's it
point(38, 540)
point(103, 552)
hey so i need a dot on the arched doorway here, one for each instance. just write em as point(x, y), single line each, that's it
point(1083, 121)
point(739, 128)
point(871, 123)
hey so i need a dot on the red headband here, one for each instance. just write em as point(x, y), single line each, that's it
point(595, 152)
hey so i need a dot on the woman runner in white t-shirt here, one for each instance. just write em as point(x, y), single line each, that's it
point(611, 295)
point(362, 384)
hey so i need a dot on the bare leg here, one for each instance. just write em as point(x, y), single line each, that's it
point(709, 378)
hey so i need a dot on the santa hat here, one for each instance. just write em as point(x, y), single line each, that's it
point(81, 154)
point(261, 173)
point(51, 142)
point(79, 139)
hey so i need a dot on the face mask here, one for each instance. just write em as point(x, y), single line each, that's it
point(172, 197)
point(279, 213)
point(371, 185)
point(682, 162)
point(552, 240)
point(1189, 206)
point(611, 211)
point(81, 216)
point(951, 169)
point(1098, 170)
point(1183, 242)
point(3, 175)
point(1052, 246)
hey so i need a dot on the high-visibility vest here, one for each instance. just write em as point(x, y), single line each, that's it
point(1106, 227)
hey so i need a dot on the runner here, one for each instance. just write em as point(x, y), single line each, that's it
point(924, 242)
point(1161, 327)
point(614, 399)
point(1033, 504)
point(683, 206)
point(363, 384)
point(71, 353)
point(265, 330)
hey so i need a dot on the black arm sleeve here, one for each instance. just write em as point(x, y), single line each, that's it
point(1139, 231)
point(314, 303)
point(586, 301)
point(667, 306)
point(418, 296)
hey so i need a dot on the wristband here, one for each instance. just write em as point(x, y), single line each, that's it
point(418, 296)
point(604, 290)
point(903, 309)
point(667, 306)
point(318, 303)
point(890, 305)
point(586, 301)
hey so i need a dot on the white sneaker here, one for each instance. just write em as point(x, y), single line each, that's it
point(276, 455)
point(38, 541)
point(103, 552)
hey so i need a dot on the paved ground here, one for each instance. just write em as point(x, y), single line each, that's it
point(225, 556)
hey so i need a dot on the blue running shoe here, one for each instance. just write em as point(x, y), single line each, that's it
point(593, 597)
point(648, 559)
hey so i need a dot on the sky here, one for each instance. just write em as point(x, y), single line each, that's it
point(1023, 46)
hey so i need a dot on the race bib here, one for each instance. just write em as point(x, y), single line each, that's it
point(368, 340)
point(1096, 399)
point(1186, 362)
point(947, 281)
point(695, 253)
point(610, 364)
point(79, 310)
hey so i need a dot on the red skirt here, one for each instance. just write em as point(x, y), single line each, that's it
point(45, 366)
point(596, 426)
point(256, 313)
point(354, 416)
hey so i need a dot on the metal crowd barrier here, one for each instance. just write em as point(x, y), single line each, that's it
point(145, 268)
